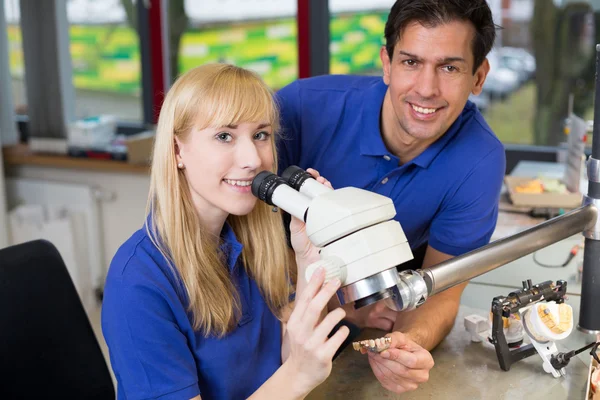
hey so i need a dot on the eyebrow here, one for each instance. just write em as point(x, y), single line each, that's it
point(232, 126)
point(444, 60)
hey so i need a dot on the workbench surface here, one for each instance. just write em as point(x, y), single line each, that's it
point(463, 370)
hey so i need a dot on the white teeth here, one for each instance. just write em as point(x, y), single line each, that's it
point(423, 110)
point(238, 183)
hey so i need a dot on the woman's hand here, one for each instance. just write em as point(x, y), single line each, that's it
point(306, 252)
point(311, 352)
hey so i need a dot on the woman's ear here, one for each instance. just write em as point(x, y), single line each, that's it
point(178, 151)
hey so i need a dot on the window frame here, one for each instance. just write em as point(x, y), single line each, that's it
point(313, 19)
point(151, 22)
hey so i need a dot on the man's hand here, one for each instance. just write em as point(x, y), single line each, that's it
point(403, 366)
point(377, 316)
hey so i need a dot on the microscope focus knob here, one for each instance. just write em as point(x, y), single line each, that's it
point(334, 268)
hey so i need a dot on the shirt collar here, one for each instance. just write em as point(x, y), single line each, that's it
point(230, 246)
point(372, 144)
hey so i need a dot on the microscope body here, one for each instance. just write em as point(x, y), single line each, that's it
point(356, 226)
point(360, 242)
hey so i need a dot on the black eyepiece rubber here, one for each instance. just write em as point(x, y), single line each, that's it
point(295, 176)
point(264, 184)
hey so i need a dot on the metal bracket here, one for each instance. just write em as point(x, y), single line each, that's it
point(593, 170)
point(592, 232)
point(410, 292)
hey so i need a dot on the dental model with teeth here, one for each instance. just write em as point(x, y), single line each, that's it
point(209, 273)
point(377, 345)
point(413, 136)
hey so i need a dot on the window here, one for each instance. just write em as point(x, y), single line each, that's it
point(105, 56)
point(543, 57)
point(544, 54)
point(356, 34)
point(259, 35)
point(15, 56)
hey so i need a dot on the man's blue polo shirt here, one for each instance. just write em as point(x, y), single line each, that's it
point(447, 196)
point(154, 350)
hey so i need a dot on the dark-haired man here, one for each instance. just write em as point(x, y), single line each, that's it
point(412, 136)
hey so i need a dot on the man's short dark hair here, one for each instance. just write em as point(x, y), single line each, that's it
point(431, 13)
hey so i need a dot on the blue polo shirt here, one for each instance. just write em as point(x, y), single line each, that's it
point(154, 350)
point(446, 197)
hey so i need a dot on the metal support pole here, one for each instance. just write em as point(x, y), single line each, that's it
point(589, 317)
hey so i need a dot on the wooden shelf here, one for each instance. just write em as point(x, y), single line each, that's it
point(21, 155)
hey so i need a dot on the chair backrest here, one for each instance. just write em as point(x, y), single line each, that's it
point(47, 346)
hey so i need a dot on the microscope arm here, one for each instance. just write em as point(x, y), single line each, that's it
point(487, 258)
point(457, 270)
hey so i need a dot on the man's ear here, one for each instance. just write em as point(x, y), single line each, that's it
point(385, 60)
point(479, 77)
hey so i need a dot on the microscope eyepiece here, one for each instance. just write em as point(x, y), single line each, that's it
point(274, 191)
point(295, 176)
point(264, 184)
point(302, 181)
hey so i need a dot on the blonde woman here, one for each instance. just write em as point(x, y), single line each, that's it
point(197, 302)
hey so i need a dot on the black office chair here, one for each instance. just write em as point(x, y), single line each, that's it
point(47, 346)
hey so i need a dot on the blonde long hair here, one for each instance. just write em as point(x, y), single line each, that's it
point(207, 96)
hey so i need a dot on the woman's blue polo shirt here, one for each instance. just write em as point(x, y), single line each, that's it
point(154, 350)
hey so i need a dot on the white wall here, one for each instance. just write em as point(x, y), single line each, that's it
point(121, 211)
